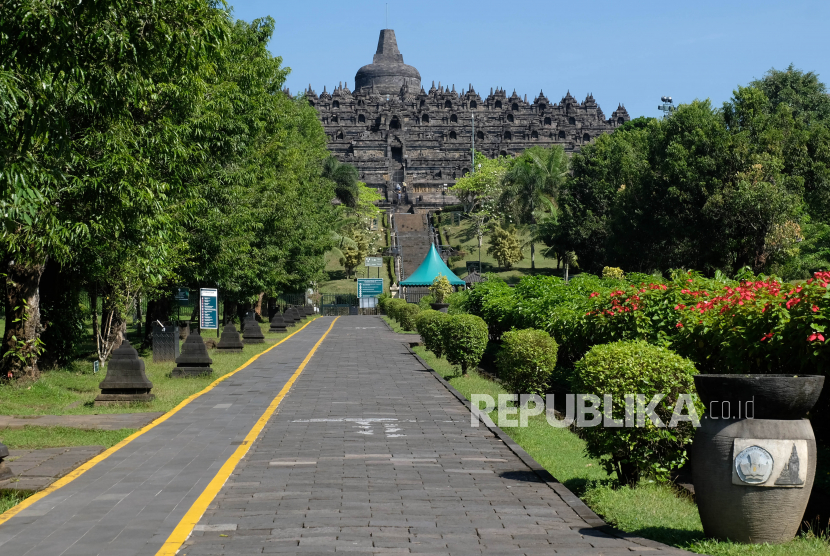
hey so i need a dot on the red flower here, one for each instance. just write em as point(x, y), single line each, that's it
point(815, 336)
point(766, 336)
point(815, 309)
point(594, 294)
point(679, 325)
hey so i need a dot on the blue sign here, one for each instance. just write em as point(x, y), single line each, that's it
point(369, 287)
point(209, 309)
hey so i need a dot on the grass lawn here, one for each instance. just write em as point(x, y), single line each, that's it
point(71, 390)
point(650, 510)
point(36, 438)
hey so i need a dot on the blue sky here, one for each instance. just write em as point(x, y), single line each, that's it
point(628, 52)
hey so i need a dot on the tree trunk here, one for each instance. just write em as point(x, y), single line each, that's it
point(93, 307)
point(229, 311)
point(566, 272)
point(532, 256)
point(20, 347)
point(258, 307)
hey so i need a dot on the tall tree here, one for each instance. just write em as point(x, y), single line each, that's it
point(531, 187)
point(73, 170)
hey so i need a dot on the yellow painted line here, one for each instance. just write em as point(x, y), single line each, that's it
point(66, 479)
point(194, 514)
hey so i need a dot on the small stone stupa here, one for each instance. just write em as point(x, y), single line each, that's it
point(289, 317)
point(278, 324)
point(5, 472)
point(125, 381)
point(252, 333)
point(230, 341)
point(194, 360)
point(308, 310)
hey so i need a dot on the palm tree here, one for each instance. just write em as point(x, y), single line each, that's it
point(345, 178)
point(532, 187)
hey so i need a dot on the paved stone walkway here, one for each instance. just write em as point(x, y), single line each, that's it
point(103, 421)
point(369, 453)
point(37, 469)
point(129, 503)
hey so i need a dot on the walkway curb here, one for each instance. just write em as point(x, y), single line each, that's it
point(572, 500)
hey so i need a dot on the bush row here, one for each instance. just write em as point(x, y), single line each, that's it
point(461, 338)
point(754, 325)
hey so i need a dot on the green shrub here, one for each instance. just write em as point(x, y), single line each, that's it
point(393, 306)
point(440, 288)
point(637, 367)
point(526, 360)
point(383, 299)
point(425, 302)
point(406, 316)
point(457, 302)
point(430, 325)
point(613, 273)
point(465, 338)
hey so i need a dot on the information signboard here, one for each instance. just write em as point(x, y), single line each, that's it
point(374, 261)
point(209, 309)
point(182, 294)
point(369, 287)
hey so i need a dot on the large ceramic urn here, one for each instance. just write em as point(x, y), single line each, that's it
point(754, 456)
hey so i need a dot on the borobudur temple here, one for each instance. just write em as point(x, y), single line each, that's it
point(396, 133)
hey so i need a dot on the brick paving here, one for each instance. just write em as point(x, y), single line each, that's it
point(103, 421)
point(128, 504)
point(369, 453)
point(37, 469)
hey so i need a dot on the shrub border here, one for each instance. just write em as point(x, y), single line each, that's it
point(572, 500)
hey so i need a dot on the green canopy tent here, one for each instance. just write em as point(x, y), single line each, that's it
point(429, 270)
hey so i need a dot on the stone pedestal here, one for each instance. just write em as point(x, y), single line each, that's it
point(252, 333)
point(230, 341)
point(194, 360)
point(125, 381)
point(278, 324)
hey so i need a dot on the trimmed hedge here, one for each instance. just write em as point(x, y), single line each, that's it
point(430, 325)
point(406, 313)
point(526, 361)
point(637, 367)
point(393, 306)
point(465, 338)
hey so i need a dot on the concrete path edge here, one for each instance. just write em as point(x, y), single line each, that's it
point(567, 496)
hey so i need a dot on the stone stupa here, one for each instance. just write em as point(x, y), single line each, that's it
point(125, 381)
point(230, 341)
point(194, 360)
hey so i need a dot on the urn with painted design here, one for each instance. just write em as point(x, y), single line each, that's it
point(754, 456)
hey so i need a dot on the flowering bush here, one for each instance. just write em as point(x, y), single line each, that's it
point(755, 325)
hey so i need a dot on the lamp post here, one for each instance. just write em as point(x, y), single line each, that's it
point(473, 154)
point(667, 107)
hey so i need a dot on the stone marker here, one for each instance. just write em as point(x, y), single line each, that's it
point(252, 333)
point(295, 312)
point(125, 380)
point(278, 324)
point(230, 341)
point(194, 360)
point(309, 310)
point(289, 317)
point(5, 472)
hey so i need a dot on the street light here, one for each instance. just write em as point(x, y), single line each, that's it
point(667, 107)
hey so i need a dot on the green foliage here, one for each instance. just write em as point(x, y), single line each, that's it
point(440, 288)
point(637, 367)
point(406, 314)
point(481, 188)
point(426, 302)
point(465, 338)
point(345, 178)
point(526, 361)
point(430, 325)
point(393, 307)
point(383, 299)
point(613, 273)
point(505, 246)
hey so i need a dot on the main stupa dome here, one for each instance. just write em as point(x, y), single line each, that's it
point(387, 72)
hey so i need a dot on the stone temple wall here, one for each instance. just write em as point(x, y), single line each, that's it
point(422, 140)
